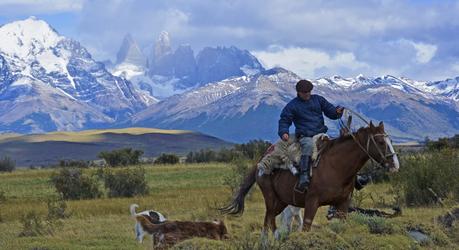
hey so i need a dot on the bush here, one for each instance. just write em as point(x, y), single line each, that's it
point(57, 208)
point(167, 159)
point(74, 163)
point(239, 170)
point(73, 185)
point(126, 182)
point(2, 196)
point(427, 178)
point(7, 164)
point(253, 150)
point(376, 225)
point(33, 225)
point(121, 157)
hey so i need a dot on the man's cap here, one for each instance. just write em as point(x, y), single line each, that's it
point(303, 86)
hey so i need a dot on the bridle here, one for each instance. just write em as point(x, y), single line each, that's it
point(371, 138)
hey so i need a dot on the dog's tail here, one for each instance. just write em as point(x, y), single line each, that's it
point(132, 209)
point(236, 207)
point(146, 225)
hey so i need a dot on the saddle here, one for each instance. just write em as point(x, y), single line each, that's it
point(286, 155)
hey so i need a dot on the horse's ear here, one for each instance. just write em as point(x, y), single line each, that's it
point(381, 124)
point(371, 124)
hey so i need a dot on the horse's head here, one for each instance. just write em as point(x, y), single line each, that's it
point(379, 147)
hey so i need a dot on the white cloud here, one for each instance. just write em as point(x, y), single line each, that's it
point(35, 7)
point(308, 62)
point(424, 52)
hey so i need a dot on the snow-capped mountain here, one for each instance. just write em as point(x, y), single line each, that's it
point(168, 72)
point(49, 82)
point(248, 107)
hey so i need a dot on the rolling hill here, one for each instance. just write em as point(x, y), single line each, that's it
point(50, 148)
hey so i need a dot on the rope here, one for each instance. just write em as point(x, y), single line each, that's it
point(371, 137)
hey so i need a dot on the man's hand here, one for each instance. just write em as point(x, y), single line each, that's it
point(339, 110)
point(285, 137)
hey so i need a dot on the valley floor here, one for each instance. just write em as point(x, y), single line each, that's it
point(192, 192)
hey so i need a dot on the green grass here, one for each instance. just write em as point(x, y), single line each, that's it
point(192, 192)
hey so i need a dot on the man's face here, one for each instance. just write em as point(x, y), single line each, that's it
point(304, 95)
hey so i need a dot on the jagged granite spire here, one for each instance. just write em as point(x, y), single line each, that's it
point(129, 52)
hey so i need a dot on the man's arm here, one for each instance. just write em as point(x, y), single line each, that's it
point(285, 121)
point(330, 110)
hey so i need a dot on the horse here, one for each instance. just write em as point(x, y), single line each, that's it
point(332, 180)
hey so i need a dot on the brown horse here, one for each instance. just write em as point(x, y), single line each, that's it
point(332, 181)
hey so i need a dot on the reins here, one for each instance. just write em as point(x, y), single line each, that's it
point(371, 137)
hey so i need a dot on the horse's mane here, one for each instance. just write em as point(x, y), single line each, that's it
point(340, 139)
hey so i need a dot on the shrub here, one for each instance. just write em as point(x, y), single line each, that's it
point(121, 157)
point(57, 208)
point(253, 150)
point(126, 182)
point(429, 177)
point(33, 225)
point(2, 196)
point(74, 163)
point(375, 172)
point(376, 225)
point(167, 159)
point(73, 185)
point(239, 170)
point(7, 164)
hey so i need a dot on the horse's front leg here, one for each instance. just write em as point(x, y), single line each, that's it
point(343, 208)
point(310, 210)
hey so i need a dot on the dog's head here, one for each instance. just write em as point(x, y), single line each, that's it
point(155, 217)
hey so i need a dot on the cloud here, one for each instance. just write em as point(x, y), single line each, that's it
point(410, 38)
point(310, 63)
point(424, 52)
point(36, 7)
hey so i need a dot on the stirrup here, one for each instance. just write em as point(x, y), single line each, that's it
point(303, 190)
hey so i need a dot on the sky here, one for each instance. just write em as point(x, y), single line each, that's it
point(417, 39)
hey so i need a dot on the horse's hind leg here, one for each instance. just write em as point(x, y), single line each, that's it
point(274, 207)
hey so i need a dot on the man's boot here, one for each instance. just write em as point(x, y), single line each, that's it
point(304, 174)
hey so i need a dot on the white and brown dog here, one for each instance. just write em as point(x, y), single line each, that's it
point(153, 216)
point(171, 232)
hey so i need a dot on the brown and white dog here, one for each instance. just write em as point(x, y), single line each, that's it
point(171, 232)
point(151, 215)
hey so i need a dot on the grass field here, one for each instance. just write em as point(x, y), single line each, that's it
point(192, 192)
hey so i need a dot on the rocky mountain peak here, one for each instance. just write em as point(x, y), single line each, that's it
point(130, 52)
point(162, 45)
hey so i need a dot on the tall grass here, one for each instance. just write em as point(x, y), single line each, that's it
point(428, 178)
point(189, 192)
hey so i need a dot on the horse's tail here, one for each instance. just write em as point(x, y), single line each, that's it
point(236, 207)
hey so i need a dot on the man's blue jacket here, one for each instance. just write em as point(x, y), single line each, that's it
point(306, 116)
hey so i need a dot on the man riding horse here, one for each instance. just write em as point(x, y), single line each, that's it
point(333, 179)
point(305, 111)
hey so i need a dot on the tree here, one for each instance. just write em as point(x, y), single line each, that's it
point(123, 157)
